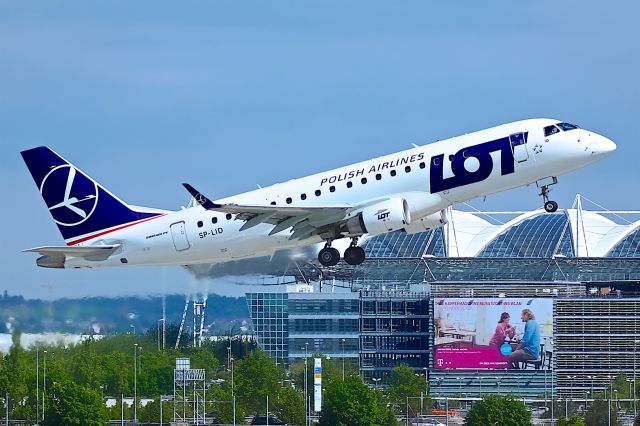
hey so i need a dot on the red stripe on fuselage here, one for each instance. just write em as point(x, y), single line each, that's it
point(81, 240)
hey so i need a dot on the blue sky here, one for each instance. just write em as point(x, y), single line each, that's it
point(225, 95)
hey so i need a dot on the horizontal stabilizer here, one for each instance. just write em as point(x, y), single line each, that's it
point(55, 256)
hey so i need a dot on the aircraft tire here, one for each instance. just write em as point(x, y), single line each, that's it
point(329, 256)
point(354, 255)
point(550, 206)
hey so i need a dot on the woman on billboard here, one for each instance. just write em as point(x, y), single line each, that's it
point(503, 331)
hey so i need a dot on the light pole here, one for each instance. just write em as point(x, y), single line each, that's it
point(233, 392)
point(342, 340)
point(44, 383)
point(37, 385)
point(375, 382)
point(306, 407)
point(135, 382)
point(159, 321)
point(102, 393)
point(635, 403)
point(426, 379)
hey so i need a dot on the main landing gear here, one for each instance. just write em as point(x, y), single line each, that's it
point(549, 206)
point(353, 255)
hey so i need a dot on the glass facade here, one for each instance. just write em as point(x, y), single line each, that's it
point(269, 315)
point(628, 247)
point(397, 244)
point(538, 236)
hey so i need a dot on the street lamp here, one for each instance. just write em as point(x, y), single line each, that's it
point(159, 321)
point(375, 382)
point(135, 382)
point(426, 379)
point(342, 340)
point(306, 405)
point(44, 383)
point(233, 394)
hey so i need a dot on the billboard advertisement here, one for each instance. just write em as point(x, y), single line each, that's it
point(493, 333)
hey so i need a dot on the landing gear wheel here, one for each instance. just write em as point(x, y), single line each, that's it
point(550, 206)
point(329, 256)
point(354, 255)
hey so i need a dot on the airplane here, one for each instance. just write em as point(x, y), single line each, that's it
point(410, 190)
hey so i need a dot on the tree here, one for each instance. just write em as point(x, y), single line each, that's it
point(504, 411)
point(573, 421)
point(257, 376)
point(598, 413)
point(290, 406)
point(352, 403)
point(72, 404)
point(403, 384)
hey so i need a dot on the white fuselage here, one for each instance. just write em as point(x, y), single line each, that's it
point(195, 235)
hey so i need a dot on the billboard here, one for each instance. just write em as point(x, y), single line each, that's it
point(493, 333)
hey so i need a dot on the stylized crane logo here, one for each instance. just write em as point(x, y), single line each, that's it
point(72, 209)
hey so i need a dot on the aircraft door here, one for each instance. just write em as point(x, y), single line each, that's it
point(519, 147)
point(179, 235)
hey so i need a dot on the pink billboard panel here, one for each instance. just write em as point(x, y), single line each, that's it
point(493, 333)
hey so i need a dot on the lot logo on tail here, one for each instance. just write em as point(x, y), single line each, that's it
point(70, 196)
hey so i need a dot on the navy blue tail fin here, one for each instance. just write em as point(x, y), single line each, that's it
point(80, 206)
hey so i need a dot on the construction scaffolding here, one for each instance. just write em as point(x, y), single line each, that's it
point(189, 393)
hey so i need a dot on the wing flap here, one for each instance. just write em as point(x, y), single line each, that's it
point(55, 256)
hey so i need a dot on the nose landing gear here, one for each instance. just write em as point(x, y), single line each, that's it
point(549, 206)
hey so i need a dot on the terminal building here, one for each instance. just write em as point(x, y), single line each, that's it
point(432, 300)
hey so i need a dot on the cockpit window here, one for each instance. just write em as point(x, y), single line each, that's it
point(551, 130)
point(567, 126)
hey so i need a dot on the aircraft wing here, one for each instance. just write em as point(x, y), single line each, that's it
point(55, 257)
point(304, 221)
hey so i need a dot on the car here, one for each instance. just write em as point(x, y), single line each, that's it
point(426, 421)
point(262, 420)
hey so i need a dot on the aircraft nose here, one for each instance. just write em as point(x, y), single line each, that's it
point(606, 145)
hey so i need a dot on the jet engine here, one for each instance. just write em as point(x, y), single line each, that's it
point(427, 223)
point(386, 216)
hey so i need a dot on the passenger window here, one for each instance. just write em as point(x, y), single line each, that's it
point(363, 180)
point(332, 188)
point(407, 169)
point(228, 216)
point(392, 172)
point(422, 165)
point(303, 197)
point(318, 192)
point(200, 224)
point(551, 130)
point(289, 200)
point(273, 203)
point(214, 220)
point(378, 176)
point(349, 184)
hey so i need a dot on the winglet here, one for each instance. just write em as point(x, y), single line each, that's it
point(200, 198)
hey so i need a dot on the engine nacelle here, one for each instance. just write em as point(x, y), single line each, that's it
point(386, 216)
point(427, 223)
